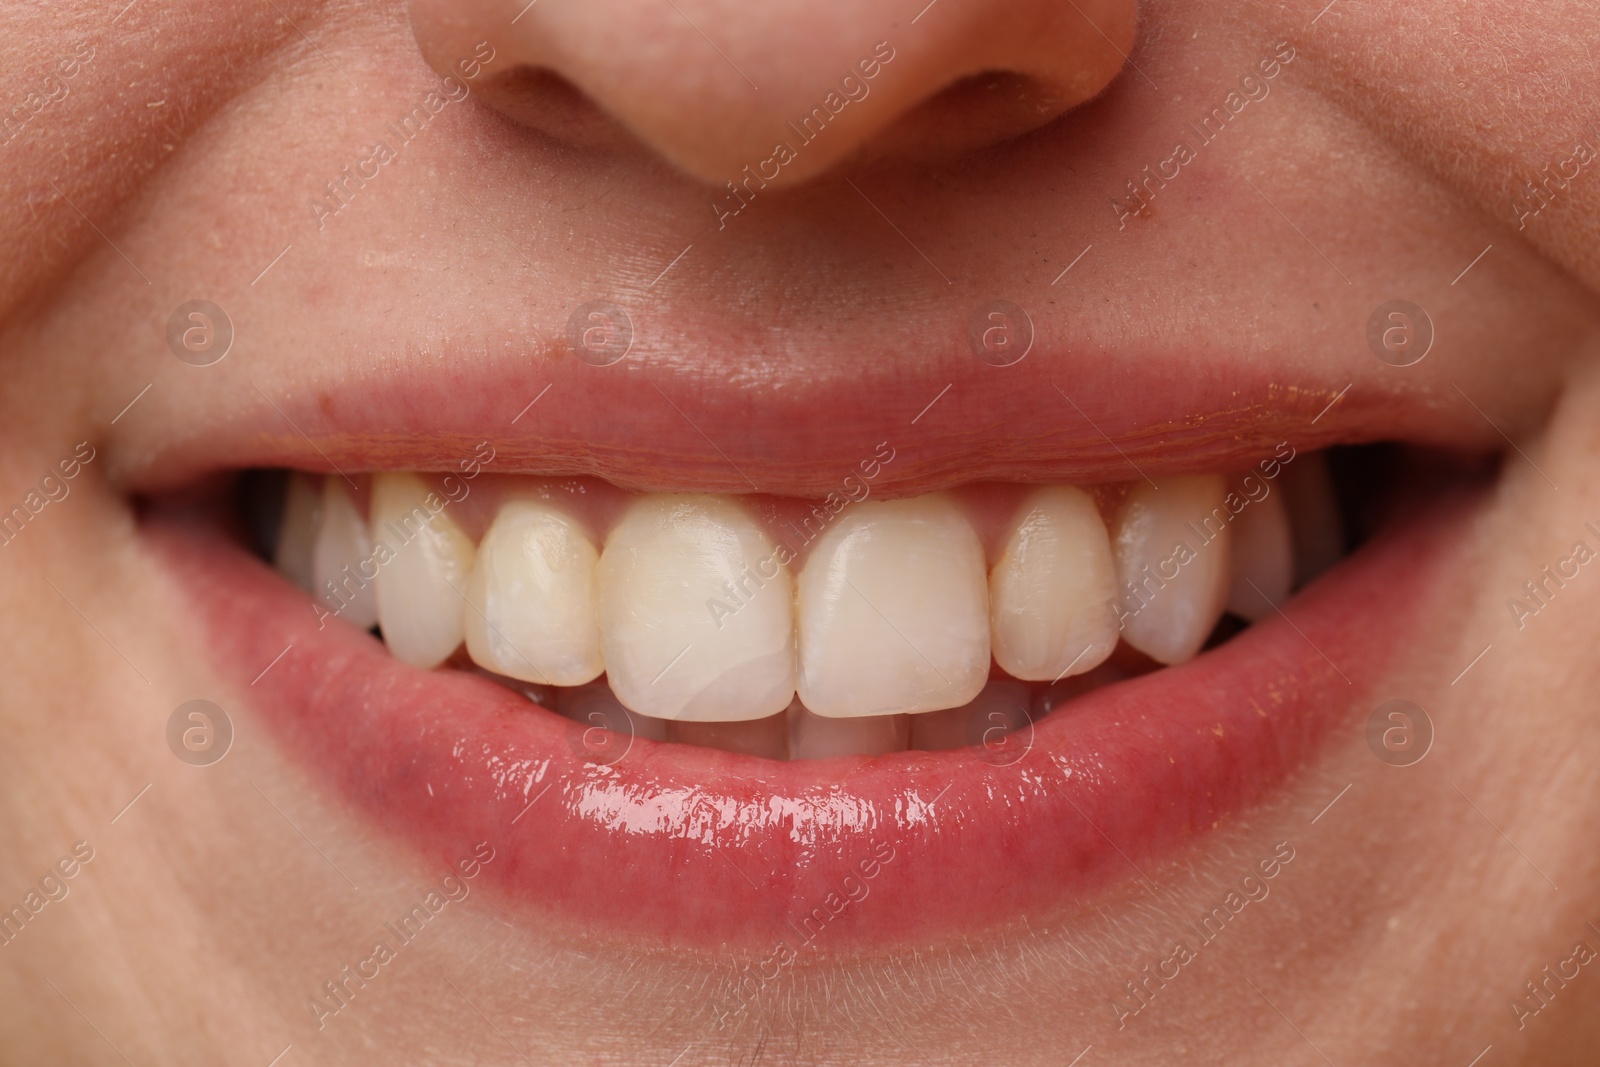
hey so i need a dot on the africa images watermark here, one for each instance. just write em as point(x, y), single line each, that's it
point(340, 592)
point(338, 992)
point(1552, 180)
point(1539, 592)
point(52, 888)
point(1138, 594)
point(1212, 124)
point(52, 89)
point(341, 190)
point(852, 490)
point(854, 87)
point(1543, 990)
point(54, 487)
point(1141, 991)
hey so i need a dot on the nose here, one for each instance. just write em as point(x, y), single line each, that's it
point(786, 88)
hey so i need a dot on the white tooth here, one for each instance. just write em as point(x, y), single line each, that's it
point(768, 738)
point(1263, 554)
point(297, 534)
point(595, 705)
point(1003, 706)
point(1050, 594)
point(818, 737)
point(532, 609)
point(420, 587)
point(341, 559)
point(894, 611)
point(696, 617)
point(1314, 520)
point(1171, 545)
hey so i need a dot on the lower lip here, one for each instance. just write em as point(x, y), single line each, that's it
point(694, 847)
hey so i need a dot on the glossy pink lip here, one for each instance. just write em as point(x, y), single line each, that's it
point(694, 847)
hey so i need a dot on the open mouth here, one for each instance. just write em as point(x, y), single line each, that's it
point(814, 720)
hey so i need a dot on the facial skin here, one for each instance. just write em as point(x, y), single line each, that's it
point(1383, 158)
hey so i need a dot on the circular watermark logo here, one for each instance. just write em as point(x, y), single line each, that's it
point(1399, 332)
point(199, 332)
point(1000, 729)
point(199, 733)
point(1399, 733)
point(1000, 333)
point(600, 333)
point(600, 730)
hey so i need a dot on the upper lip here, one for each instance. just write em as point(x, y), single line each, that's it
point(681, 423)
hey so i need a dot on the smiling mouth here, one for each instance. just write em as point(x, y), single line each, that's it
point(891, 709)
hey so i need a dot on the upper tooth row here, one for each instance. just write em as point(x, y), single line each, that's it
point(693, 612)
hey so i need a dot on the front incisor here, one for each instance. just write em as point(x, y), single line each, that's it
point(894, 611)
point(696, 612)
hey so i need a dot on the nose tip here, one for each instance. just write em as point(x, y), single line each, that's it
point(785, 88)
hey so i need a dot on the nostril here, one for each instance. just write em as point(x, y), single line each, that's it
point(546, 101)
point(1001, 91)
point(974, 112)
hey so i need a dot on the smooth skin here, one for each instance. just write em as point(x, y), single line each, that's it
point(181, 160)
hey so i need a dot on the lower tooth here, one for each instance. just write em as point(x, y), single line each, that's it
point(894, 611)
point(819, 737)
point(1263, 558)
point(767, 737)
point(341, 550)
point(530, 609)
point(695, 612)
point(297, 535)
point(1002, 707)
point(1171, 545)
point(419, 589)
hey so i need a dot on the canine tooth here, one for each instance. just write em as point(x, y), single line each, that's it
point(1171, 546)
point(820, 737)
point(894, 612)
point(1315, 523)
point(696, 617)
point(595, 705)
point(341, 559)
point(1262, 554)
point(420, 585)
point(532, 611)
point(1050, 593)
point(999, 709)
point(767, 737)
point(297, 535)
